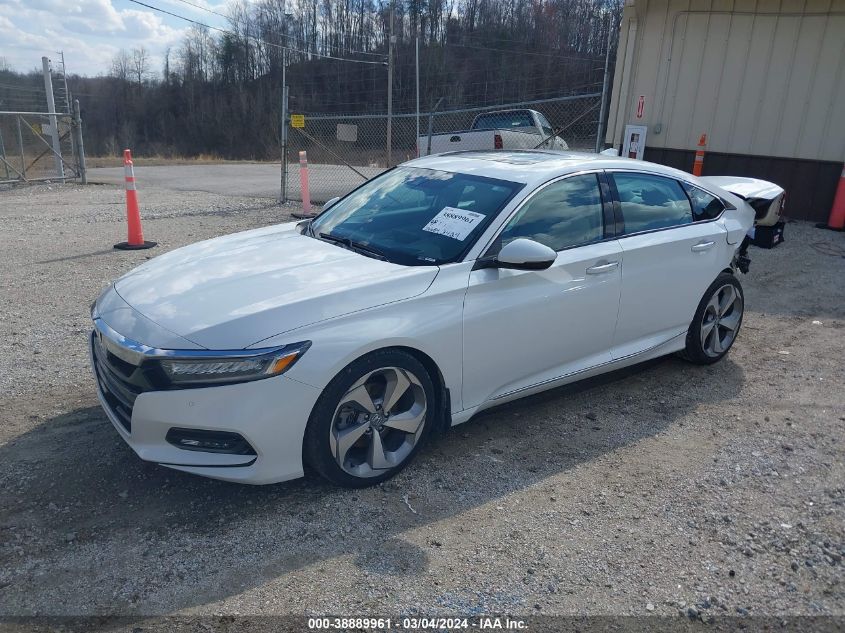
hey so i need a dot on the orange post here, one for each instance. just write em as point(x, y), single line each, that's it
point(303, 188)
point(135, 233)
point(303, 181)
point(698, 164)
point(836, 221)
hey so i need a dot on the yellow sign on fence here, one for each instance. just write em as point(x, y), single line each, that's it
point(297, 120)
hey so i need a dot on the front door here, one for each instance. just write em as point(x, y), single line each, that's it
point(524, 328)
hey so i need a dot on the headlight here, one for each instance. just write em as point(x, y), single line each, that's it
point(230, 367)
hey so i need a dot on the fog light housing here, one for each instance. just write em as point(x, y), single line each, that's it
point(224, 442)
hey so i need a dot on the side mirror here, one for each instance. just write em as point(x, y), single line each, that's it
point(525, 254)
point(330, 202)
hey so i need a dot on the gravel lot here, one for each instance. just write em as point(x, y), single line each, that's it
point(663, 489)
point(241, 179)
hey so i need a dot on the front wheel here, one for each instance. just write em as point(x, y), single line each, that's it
point(371, 419)
point(716, 322)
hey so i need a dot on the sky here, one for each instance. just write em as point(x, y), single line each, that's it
point(91, 32)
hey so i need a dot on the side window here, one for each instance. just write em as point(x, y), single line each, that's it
point(566, 213)
point(651, 202)
point(544, 123)
point(704, 205)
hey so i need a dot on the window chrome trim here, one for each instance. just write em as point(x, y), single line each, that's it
point(612, 170)
point(136, 353)
point(727, 206)
point(485, 251)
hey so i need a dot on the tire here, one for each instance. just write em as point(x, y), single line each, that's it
point(717, 321)
point(362, 430)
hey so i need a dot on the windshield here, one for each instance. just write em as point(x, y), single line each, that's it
point(415, 216)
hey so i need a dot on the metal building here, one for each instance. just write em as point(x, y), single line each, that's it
point(763, 79)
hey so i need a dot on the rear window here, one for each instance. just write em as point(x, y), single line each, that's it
point(705, 206)
point(496, 120)
point(651, 202)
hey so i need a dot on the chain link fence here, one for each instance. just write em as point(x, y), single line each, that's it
point(40, 132)
point(344, 151)
point(27, 152)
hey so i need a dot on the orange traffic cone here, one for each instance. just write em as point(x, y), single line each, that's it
point(135, 237)
point(698, 164)
point(836, 221)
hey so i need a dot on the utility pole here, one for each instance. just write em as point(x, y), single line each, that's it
point(80, 147)
point(64, 78)
point(54, 123)
point(604, 90)
point(390, 88)
point(283, 188)
point(418, 93)
point(284, 130)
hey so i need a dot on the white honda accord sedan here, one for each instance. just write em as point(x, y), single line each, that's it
point(447, 285)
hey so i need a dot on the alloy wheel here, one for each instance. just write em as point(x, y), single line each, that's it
point(378, 422)
point(721, 319)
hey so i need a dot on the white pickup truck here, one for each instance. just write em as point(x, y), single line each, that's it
point(502, 129)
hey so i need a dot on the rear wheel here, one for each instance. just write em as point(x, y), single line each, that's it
point(371, 419)
point(717, 321)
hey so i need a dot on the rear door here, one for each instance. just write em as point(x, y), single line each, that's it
point(670, 255)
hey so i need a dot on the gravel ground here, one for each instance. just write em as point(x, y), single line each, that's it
point(662, 489)
point(241, 179)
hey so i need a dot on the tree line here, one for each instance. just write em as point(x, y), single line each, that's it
point(219, 92)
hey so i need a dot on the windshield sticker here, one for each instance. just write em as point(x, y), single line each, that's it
point(454, 223)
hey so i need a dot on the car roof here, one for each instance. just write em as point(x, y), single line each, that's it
point(535, 166)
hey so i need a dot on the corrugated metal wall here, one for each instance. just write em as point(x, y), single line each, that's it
point(762, 78)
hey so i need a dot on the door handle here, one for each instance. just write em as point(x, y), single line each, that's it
point(600, 268)
point(703, 246)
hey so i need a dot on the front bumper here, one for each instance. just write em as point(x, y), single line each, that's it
point(270, 414)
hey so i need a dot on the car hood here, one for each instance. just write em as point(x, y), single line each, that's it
point(235, 291)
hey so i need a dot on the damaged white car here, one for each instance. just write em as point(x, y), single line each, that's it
point(447, 285)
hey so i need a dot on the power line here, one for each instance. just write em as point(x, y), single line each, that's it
point(283, 35)
point(197, 6)
point(557, 56)
point(251, 37)
point(513, 52)
point(22, 88)
point(488, 38)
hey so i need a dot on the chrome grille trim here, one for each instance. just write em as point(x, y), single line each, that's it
point(117, 390)
point(136, 353)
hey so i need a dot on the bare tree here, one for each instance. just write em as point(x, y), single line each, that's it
point(220, 93)
point(121, 65)
point(140, 64)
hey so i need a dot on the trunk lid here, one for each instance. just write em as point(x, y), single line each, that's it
point(766, 198)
